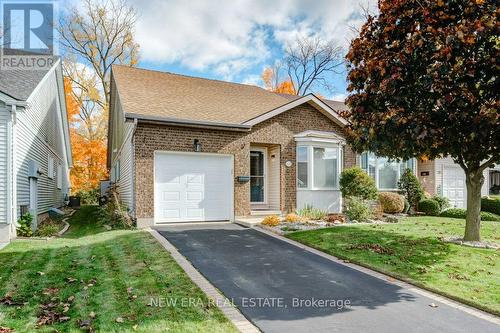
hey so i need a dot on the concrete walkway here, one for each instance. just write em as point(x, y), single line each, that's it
point(282, 288)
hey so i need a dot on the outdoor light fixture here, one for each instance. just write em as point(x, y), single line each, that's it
point(197, 145)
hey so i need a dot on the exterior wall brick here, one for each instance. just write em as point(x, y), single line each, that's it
point(278, 130)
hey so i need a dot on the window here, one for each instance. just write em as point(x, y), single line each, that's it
point(318, 167)
point(302, 167)
point(325, 167)
point(50, 167)
point(59, 176)
point(385, 172)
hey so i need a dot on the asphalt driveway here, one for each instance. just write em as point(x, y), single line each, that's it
point(282, 288)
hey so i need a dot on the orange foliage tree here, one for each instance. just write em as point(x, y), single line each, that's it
point(89, 151)
point(272, 82)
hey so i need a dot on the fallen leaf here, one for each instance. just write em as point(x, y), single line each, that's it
point(135, 327)
point(119, 320)
point(40, 273)
point(6, 329)
point(71, 299)
point(70, 279)
point(61, 319)
point(92, 314)
point(433, 305)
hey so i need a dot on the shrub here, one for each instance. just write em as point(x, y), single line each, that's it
point(460, 213)
point(47, 228)
point(89, 197)
point(271, 220)
point(391, 202)
point(442, 201)
point(354, 182)
point(115, 215)
point(492, 205)
point(24, 229)
point(358, 209)
point(429, 207)
point(311, 213)
point(411, 188)
point(292, 218)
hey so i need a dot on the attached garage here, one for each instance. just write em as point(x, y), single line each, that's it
point(193, 187)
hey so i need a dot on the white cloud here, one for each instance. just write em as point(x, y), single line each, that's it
point(338, 97)
point(231, 36)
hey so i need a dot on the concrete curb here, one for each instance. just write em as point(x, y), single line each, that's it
point(232, 313)
point(454, 304)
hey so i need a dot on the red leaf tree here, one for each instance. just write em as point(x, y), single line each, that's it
point(424, 81)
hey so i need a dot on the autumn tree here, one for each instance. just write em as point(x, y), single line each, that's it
point(311, 62)
point(423, 81)
point(100, 35)
point(94, 36)
point(88, 149)
point(274, 81)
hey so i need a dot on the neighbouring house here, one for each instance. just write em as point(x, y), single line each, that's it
point(441, 176)
point(183, 148)
point(35, 152)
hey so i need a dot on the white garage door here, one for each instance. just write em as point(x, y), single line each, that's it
point(454, 186)
point(193, 187)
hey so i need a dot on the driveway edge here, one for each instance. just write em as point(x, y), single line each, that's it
point(232, 313)
point(452, 303)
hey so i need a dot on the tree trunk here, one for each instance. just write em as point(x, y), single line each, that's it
point(474, 180)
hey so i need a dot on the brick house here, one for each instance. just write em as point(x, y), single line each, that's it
point(190, 149)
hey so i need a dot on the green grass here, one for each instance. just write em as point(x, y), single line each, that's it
point(103, 266)
point(411, 251)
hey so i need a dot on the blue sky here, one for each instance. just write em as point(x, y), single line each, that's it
point(235, 40)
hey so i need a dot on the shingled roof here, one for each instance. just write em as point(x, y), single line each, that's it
point(173, 96)
point(20, 83)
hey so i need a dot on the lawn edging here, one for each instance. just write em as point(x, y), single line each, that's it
point(232, 313)
point(455, 302)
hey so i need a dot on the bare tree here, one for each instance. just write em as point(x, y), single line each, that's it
point(100, 34)
point(310, 62)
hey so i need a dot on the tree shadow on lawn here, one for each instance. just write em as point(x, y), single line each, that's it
point(389, 251)
point(114, 276)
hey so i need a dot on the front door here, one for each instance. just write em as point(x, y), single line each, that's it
point(258, 164)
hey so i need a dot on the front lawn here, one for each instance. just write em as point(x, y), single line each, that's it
point(411, 250)
point(98, 280)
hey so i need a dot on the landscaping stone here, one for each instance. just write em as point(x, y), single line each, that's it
point(460, 241)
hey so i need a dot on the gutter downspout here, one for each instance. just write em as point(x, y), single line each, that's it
point(11, 173)
point(132, 142)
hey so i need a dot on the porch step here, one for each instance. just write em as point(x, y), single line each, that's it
point(264, 212)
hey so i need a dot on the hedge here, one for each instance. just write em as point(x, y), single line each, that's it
point(429, 207)
point(490, 204)
point(460, 213)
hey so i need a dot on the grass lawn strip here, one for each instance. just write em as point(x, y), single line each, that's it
point(412, 251)
point(109, 276)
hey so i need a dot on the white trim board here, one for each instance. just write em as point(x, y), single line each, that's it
point(311, 99)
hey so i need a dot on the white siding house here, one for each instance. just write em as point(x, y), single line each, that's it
point(121, 148)
point(35, 152)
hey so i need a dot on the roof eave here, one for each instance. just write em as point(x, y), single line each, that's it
point(187, 123)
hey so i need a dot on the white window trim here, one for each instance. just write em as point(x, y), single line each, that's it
point(377, 172)
point(310, 145)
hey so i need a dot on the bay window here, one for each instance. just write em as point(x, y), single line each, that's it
point(318, 166)
point(385, 172)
